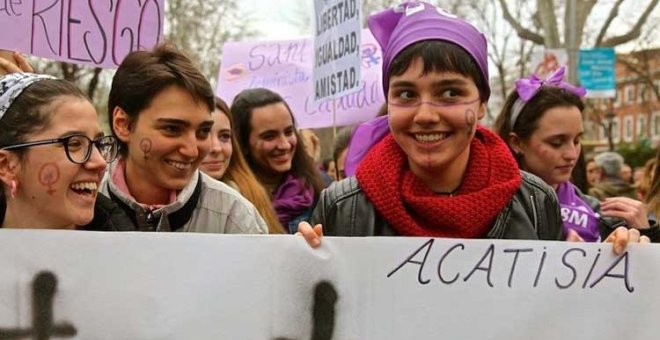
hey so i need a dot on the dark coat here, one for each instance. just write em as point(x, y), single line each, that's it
point(107, 216)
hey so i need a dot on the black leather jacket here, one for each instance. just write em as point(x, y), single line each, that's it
point(533, 213)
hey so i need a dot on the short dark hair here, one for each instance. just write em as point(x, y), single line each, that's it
point(31, 110)
point(144, 74)
point(441, 56)
point(241, 110)
point(547, 98)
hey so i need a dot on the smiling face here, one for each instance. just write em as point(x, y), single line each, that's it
point(217, 161)
point(433, 118)
point(552, 150)
point(166, 144)
point(59, 193)
point(272, 139)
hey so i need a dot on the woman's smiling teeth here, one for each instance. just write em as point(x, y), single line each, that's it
point(430, 138)
point(179, 165)
point(84, 186)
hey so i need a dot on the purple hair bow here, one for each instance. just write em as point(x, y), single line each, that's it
point(528, 88)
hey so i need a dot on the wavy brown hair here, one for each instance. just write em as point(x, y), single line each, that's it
point(653, 195)
point(238, 172)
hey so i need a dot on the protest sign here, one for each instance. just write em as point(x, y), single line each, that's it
point(85, 285)
point(285, 66)
point(596, 72)
point(95, 33)
point(336, 48)
point(546, 62)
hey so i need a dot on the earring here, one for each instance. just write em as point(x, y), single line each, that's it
point(14, 188)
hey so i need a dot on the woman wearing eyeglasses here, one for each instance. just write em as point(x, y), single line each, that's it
point(52, 157)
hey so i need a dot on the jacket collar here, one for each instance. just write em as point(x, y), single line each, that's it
point(168, 217)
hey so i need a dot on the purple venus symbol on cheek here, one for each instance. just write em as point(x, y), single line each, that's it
point(49, 174)
point(145, 146)
point(470, 120)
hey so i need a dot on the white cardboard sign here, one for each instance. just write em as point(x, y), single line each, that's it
point(202, 286)
point(337, 49)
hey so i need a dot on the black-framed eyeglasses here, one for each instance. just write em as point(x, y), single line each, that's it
point(78, 147)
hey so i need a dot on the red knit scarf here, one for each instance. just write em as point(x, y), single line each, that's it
point(411, 208)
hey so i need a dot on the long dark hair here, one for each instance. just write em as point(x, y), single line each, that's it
point(241, 110)
point(239, 173)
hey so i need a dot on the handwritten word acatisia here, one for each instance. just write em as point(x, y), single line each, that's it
point(571, 259)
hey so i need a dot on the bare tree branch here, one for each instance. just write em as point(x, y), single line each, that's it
point(93, 83)
point(614, 12)
point(634, 32)
point(584, 8)
point(548, 22)
point(644, 75)
point(523, 32)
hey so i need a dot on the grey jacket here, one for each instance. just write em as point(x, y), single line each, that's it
point(533, 213)
point(204, 205)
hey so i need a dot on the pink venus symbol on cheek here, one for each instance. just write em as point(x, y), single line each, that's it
point(145, 146)
point(470, 120)
point(49, 174)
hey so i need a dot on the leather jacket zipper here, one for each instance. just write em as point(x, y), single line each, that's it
point(534, 214)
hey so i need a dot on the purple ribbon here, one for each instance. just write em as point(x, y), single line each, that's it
point(528, 88)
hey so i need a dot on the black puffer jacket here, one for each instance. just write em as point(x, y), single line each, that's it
point(107, 216)
point(533, 213)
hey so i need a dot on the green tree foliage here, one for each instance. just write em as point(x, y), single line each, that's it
point(636, 154)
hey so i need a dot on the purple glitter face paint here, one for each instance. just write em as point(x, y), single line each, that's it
point(416, 104)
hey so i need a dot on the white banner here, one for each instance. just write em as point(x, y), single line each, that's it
point(85, 285)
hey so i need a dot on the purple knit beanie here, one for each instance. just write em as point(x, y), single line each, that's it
point(414, 21)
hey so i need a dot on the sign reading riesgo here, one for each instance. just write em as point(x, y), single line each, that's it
point(95, 33)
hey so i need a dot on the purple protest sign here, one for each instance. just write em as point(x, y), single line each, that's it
point(96, 33)
point(285, 66)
